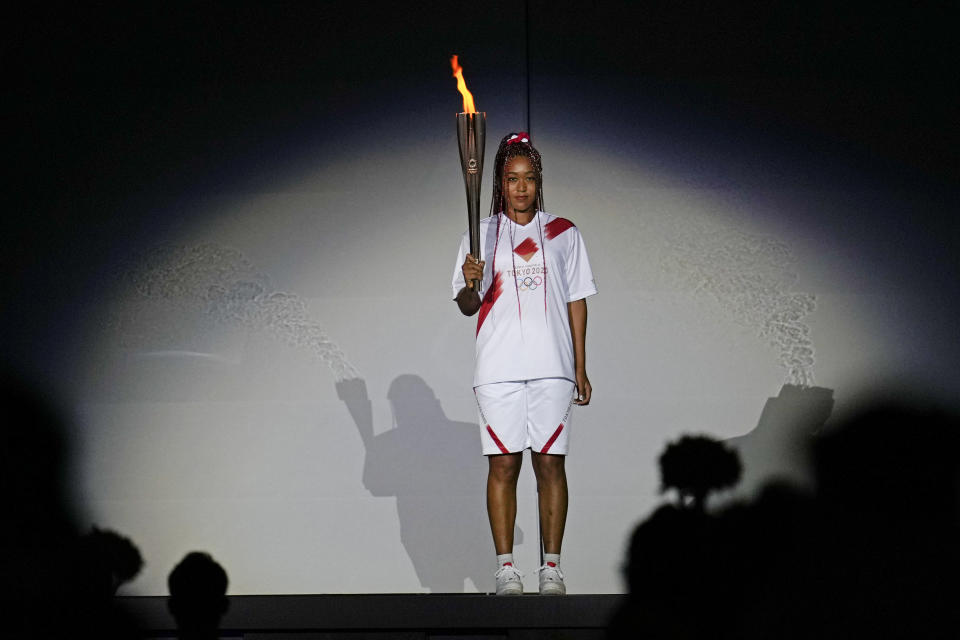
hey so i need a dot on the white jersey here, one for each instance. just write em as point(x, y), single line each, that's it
point(531, 273)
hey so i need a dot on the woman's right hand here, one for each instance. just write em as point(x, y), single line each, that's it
point(472, 270)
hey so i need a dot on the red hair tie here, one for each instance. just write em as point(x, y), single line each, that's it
point(523, 136)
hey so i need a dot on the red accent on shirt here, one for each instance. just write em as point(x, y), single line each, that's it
point(551, 564)
point(489, 299)
point(526, 249)
point(557, 226)
point(553, 438)
point(496, 440)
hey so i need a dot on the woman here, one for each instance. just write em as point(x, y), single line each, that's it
point(530, 352)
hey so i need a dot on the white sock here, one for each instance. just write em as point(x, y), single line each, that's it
point(505, 558)
point(551, 559)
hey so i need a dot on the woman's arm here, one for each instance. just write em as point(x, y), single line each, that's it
point(577, 311)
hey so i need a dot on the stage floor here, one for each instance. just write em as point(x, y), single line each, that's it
point(421, 616)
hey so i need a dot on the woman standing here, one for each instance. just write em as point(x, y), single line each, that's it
point(530, 351)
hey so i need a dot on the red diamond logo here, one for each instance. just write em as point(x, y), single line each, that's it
point(526, 249)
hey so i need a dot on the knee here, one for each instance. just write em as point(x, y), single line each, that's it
point(505, 469)
point(549, 468)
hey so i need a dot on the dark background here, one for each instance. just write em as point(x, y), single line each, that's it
point(115, 114)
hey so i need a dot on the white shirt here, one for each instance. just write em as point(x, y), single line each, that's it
point(523, 327)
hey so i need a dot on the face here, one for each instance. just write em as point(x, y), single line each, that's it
point(520, 185)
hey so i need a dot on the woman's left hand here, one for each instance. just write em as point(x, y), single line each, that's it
point(584, 390)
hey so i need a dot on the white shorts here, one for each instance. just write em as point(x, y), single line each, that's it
point(527, 414)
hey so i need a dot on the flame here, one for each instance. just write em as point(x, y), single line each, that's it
point(462, 86)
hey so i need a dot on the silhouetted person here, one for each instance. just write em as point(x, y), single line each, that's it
point(696, 466)
point(198, 596)
point(888, 484)
point(111, 560)
point(47, 587)
point(873, 553)
point(670, 561)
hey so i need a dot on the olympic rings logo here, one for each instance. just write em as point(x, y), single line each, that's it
point(529, 283)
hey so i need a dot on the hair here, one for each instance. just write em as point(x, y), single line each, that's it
point(198, 587)
point(112, 558)
point(504, 153)
point(511, 146)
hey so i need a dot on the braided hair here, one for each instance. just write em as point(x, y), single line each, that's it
point(511, 146)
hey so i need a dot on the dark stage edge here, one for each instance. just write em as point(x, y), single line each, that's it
point(436, 616)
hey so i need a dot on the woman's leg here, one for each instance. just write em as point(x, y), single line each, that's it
point(552, 490)
point(502, 498)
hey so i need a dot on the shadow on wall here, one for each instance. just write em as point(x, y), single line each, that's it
point(433, 466)
point(778, 447)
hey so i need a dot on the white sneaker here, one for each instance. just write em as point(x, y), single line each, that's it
point(509, 581)
point(551, 581)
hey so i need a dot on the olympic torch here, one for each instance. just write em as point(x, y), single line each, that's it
point(471, 134)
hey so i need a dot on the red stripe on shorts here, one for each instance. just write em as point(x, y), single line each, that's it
point(553, 438)
point(497, 440)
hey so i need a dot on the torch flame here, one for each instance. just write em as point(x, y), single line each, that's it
point(462, 86)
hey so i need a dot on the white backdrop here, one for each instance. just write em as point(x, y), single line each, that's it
point(281, 379)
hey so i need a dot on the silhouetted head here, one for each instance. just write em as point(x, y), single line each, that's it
point(412, 399)
point(695, 465)
point(112, 559)
point(198, 589)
